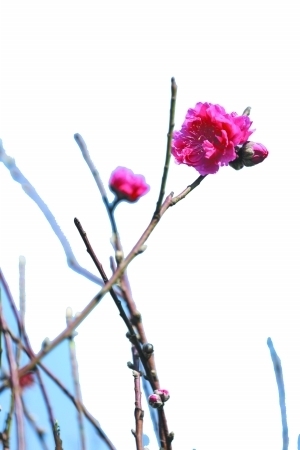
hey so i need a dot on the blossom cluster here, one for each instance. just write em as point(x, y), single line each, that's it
point(210, 138)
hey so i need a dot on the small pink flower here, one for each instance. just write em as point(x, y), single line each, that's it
point(26, 380)
point(155, 401)
point(126, 185)
point(163, 393)
point(208, 137)
point(253, 153)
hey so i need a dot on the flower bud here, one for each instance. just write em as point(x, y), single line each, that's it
point(26, 380)
point(253, 153)
point(155, 401)
point(236, 164)
point(163, 393)
point(148, 348)
point(126, 185)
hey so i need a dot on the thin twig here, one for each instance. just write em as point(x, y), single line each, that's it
point(169, 144)
point(85, 153)
point(22, 291)
point(27, 187)
point(280, 384)
point(187, 190)
point(56, 432)
point(39, 431)
point(15, 389)
point(22, 297)
point(1, 350)
point(75, 374)
point(138, 411)
point(148, 369)
point(133, 336)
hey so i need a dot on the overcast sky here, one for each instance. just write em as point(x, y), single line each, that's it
point(221, 271)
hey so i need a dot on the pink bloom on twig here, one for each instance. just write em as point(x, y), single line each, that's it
point(128, 186)
point(26, 380)
point(208, 137)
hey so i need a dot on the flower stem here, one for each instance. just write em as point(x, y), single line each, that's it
point(169, 143)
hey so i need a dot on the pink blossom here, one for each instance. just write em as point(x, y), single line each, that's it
point(163, 393)
point(155, 401)
point(26, 380)
point(208, 137)
point(253, 153)
point(126, 185)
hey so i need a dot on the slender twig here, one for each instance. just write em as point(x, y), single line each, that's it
point(22, 297)
point(138, 411)
point(187, 190)
point(39, 431)
point(151, 373)
point(56, 432)
point(75, 374)
point(32, 193)
point(85, 153)
point(280, 384)
point(15, 390)
point(133, 336)
point(98, 297)
point(0, 329)
point(169, 144)
point(22, 265)
point(47, 403)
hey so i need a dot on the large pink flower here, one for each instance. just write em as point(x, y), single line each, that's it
point(208, 137)
point(126, 185)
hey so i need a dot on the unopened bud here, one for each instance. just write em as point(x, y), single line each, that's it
point(45, 342)
point(155, 401)
point(163, 393)
point(247, 111)
point(237, 163)
point(253, 153)
point(171, 436)
point(69, 313)
point(148, 348)
point(119, 256)
point(26, 380)
point(136, 318)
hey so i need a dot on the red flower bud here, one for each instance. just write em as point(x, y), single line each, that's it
point(155, 401)
point(26, 380)
point(126, 185)
point(253, 153)
point(163, 393)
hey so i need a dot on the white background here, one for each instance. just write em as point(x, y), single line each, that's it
point(221, 272)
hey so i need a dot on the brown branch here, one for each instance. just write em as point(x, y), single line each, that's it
point(75, 375)
point(16, 403)
point(132, 335)
point(85, 153)
point(39, 431)
point(169, 144)
point(187, 190)
point(56, 432)
point(138, 411)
